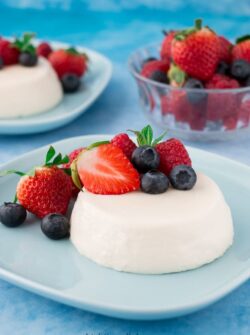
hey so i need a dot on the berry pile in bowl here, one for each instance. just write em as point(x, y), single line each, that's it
point(196, 83)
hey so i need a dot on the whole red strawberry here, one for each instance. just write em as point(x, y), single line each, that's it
point(241, 50)
point(166, 46)
point(123, 142)
point(68, 61)
point(46, 189)
point(105, 169)
point(225, 53)
point(8, 52)
point(72, 156)
point(172, 153)
point(44, 49)
point(155, 65)
point(196, 51)
point(220, 105)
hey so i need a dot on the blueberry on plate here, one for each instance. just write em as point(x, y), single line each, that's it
point(1, 63)
point(195, 96)
point(182, 177)
point(55, 226)
point(145, 158)
point(154, 182)
point(70, 82)
point(240, 69)
point(147, 60)
point(223, 68)
point(28, 59)
point(159, 76)
point(12, 214)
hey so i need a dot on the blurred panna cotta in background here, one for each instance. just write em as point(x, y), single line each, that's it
point(28, 90)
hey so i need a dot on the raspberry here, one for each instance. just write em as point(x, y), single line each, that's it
point(44, 49)
point(123, 142)
point(172, 153)
point(221, 81)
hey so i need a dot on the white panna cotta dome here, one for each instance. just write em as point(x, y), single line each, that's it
point(28, 90)
point(153, 234)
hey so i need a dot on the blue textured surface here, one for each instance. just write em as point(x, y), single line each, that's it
point(116, 28)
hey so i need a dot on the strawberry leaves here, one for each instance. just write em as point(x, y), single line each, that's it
point(53, 159)
point(24, 43)
point(145, 136)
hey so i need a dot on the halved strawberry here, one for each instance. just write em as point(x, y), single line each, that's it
point(106, 170)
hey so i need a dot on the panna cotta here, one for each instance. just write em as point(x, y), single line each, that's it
point(153, 234)
point(28, 90)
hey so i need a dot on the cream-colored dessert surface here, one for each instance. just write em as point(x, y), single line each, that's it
point(138, 232)
point(28, 90)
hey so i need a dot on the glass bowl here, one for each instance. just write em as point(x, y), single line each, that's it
point(193, 114)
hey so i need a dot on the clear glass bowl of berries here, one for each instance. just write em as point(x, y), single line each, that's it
point(196, 84)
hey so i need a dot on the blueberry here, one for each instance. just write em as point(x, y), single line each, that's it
point(145, 158)
point(159, 76)
point(154, 182)
point(240, 69)
point(195, 97)
point(70, 82)
point(12, 214)
point(28, 59)
point(183, 177)
point(223, 68)
point(55, 226)
point(1, 63)
point(147, 60)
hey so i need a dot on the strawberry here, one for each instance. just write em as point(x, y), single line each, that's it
point(241, 50)
point(72, 156)
point(44, 49)
point(155, 65)
point(106, 170)
point(225, 50)
point(165, 51)
point(221, 105)
point(196, 51)
point(68, 61)
point(46, 189)
point(8, 52)
point(172, 153)
point(123, 142)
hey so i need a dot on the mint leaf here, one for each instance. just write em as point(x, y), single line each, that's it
point(50, 154)
point(147, 133)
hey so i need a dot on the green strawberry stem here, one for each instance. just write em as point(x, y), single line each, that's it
point(198, 24)
point(242, 39)
point(145, 136)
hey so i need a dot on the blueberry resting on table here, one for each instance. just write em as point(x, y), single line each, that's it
point(55, 226)
point(183, 177)
point(145, 158)
point(154, 182)
point(12, 214)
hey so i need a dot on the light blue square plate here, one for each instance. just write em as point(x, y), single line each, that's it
point(55, 269)
point(72, 105)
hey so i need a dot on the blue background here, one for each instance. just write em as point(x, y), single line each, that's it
point(116, 28)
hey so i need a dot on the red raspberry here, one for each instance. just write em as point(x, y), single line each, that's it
point(44, 49)
point(8, 52)
point(123, 142)
point(172, 153)
point(221, 106)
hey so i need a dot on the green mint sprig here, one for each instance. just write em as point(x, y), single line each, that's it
point(24, 44)
point(145, 136)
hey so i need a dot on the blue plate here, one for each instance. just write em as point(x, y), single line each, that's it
point(72, 105)
point(55, 269)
